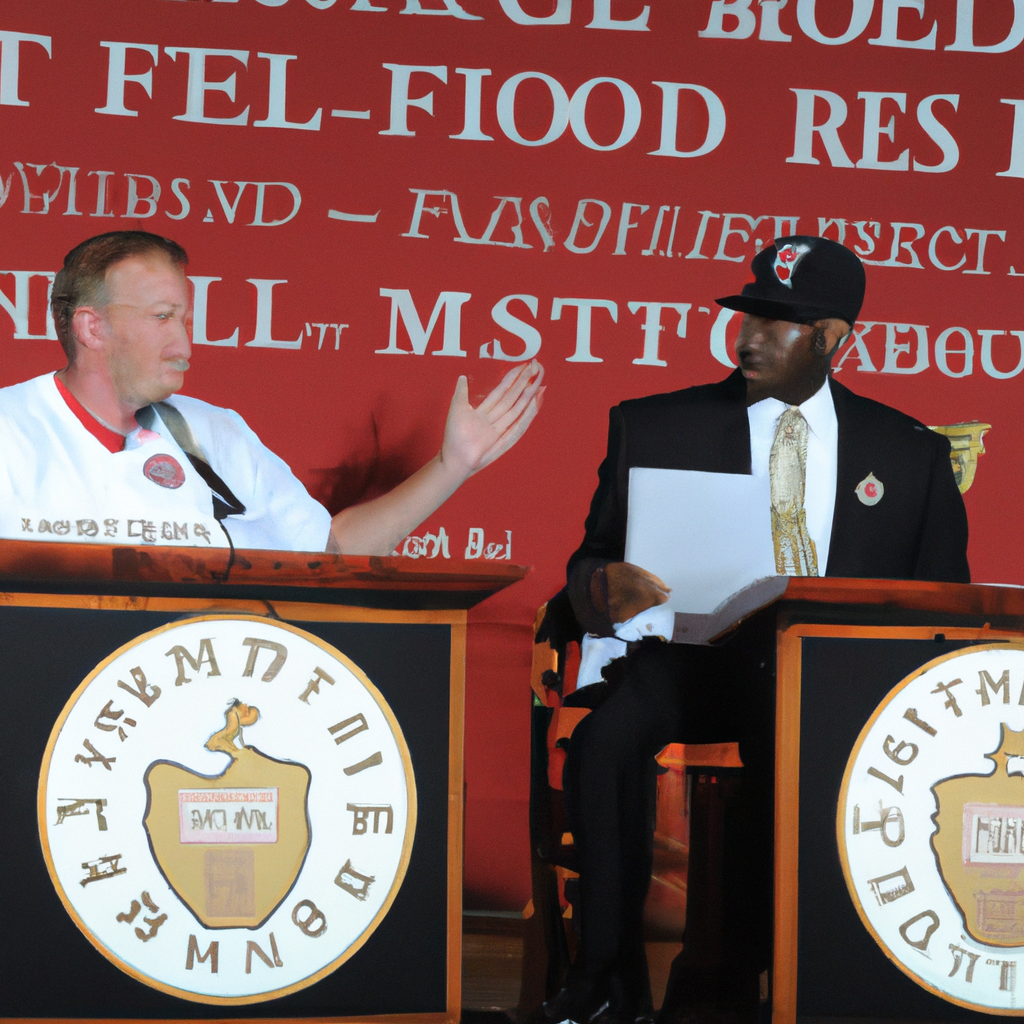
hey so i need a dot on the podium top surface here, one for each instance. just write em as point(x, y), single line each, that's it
point(363, 580)
point(876, 601)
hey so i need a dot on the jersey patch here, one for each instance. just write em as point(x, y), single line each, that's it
point(164, 470)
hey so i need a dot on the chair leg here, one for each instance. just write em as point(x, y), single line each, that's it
point(545, 950)
point(715, 974)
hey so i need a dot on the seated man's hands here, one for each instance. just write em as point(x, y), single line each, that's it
point(474, 438)
point(621, 590)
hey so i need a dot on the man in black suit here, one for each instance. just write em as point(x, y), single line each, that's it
point(881, 502)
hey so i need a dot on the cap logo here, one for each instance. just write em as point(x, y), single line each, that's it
point(786, 260)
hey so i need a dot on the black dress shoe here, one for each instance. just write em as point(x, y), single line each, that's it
point(628, 994)
point(577, 1002)
point(614, 995)
point(610, 1014)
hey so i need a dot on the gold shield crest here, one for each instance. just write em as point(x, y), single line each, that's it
point(980, 847)
point(231, 845)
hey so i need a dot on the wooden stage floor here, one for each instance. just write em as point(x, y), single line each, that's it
point(492, 961)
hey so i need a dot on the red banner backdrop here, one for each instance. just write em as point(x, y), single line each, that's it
point(379, 195)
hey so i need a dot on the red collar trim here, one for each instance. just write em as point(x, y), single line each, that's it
point(110, 439)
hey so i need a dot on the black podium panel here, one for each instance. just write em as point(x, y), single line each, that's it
point(842, 972)
point(50, 969)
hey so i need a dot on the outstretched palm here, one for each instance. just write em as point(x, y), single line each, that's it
point(474, 438)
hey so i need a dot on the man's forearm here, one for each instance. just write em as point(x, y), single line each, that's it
point(473, 439)
point(377, 527)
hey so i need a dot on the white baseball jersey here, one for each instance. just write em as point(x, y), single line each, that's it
point(58, 482)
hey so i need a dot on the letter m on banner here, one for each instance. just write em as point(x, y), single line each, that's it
point(449, 306)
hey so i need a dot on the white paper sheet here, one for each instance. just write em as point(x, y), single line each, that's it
point(706, 535)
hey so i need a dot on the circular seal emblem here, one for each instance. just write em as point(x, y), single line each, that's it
point(226, 808)
point(164, 470)
point(930, 827)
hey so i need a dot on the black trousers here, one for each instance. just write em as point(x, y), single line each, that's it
point(664, 693)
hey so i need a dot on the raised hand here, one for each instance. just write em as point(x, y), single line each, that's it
point(474, 438)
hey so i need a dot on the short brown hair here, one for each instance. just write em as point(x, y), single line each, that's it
point(82, 279)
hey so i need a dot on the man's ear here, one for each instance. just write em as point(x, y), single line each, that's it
point(87, 327)
point(834, 331)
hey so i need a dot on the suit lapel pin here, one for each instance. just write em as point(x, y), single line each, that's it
point(870, 490)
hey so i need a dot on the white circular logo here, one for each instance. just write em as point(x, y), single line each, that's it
point(931, 827)
point(227, 808)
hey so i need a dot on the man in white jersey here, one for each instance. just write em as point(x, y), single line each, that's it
point(100, 452)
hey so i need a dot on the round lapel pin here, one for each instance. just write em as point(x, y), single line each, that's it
point(870, 490)
point(164, 470)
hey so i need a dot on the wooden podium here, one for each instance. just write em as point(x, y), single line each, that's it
point(842, 646)
point(66, 609)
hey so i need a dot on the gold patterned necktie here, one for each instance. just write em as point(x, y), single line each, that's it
point(787, 470)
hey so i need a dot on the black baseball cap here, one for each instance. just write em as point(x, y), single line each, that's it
point(803, 278)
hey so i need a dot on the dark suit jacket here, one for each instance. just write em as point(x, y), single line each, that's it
point(917, 531)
